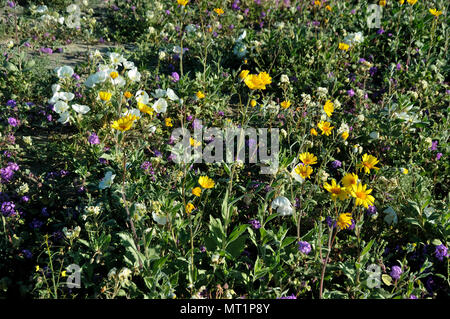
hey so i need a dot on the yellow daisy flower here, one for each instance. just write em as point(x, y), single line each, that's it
point(308, 158)
point(336, 190)
point(344, 221)
point(368, 163)
point(362, 196)
point(206, 182)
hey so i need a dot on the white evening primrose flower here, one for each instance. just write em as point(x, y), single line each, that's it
point(55, 88)
point(64, 72)
point(41, 9)
point(160, 219)
point(107, 181)
point(171, 95)
point(159, 93)
point(116, 58)
point(142, 97)
point(160, 106)
point(374, 135)
point(322, 92)
point(162, 55)
point(361, 117)
point(81, 109)
point(60, 107)
point(128, 65)
point(64, 117)
point(282, 205)
point(124, 275)
point(28, 140)
point(134, 75)
point(284, 79)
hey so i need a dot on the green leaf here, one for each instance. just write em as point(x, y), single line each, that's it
point(367, 248)
point(287, 241)
point(237, 246)
point(237, 231)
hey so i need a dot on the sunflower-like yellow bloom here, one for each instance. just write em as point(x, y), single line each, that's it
point(412, 2)
point(145, 108)
point(382, 3)
point(435, 12)
point(257, 82)
point(124, 123)
point(325, 127)
point(244, 74)
point(314, 132)
point(104, 96)
point(349, 180)
point(362, 196)
point(114, 74)
point(197, 191)
point(285, 104)
point(168, 122)
point(205, 182)
point(336, 190)
point(219, 11)
point(344, 135)
point(308, 158)
point(182, 2)
point(200, 95)
point(304, 171)
point(328, 108)
point(189, 208)
point(127, 94)
point(343, 46)
point(368, 163)
point(344, 221)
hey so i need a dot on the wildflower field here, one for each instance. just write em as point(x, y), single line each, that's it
point(224, 149)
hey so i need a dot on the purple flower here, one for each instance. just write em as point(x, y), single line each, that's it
point(434, 145)
point(44, 212)
point(380, 31)
point(412, 296)
point(235, 5)
point(27, 253)
point(93, 139)
point(351, 92)
point(336, 164)
point(11, 103)
point(441, 252)
point(202, 248)
point(330, 222)
point(25, 198)
point(36, 224)
point(396, 271)
point(7, 209)
point(304, 247)
point(175, 77)
point(373, 70)
point(438, 156)
point(371, 210)
point(46, 50)
point(11, 4)
point(13, 122)
point(145, 165)
point(255, 224)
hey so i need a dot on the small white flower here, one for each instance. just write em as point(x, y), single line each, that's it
point(282, 205)
point(160, 219)
point(171, 95)
point(82, 109)
point(160, 106)
point(142, 97)
point(107, 181)
point(64, 117)
point(134, 75)
point(374, 135)
point(64, 72)
point(60, 107)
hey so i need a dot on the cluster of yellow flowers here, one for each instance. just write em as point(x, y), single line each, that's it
point(205, 182)
point(255, 81)
point(306, 170)
point(352, 186)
